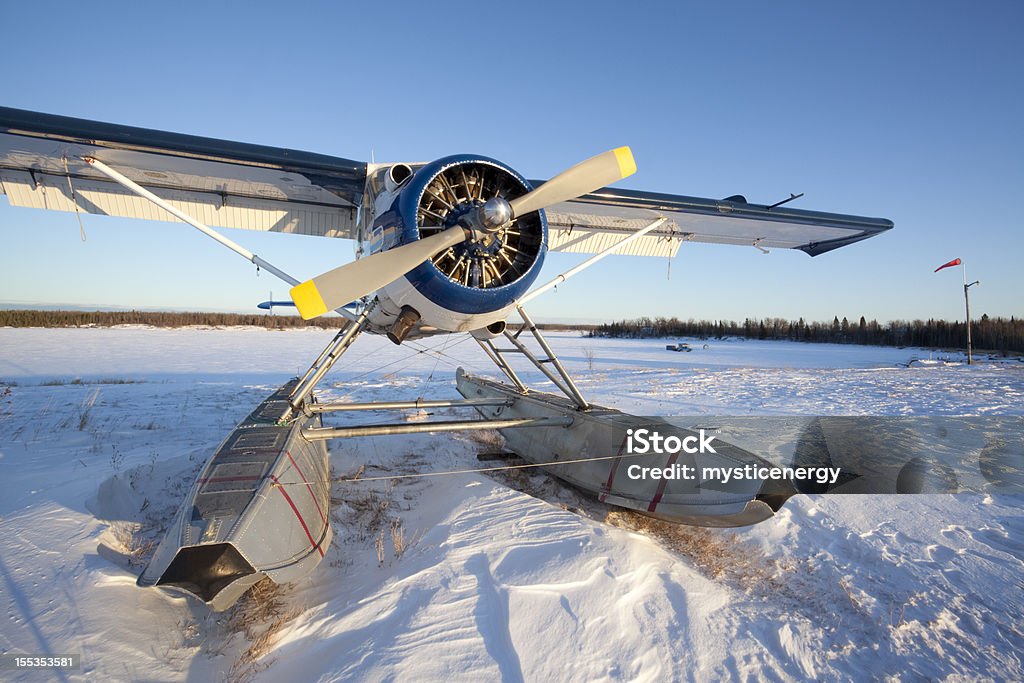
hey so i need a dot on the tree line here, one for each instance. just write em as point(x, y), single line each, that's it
point(35, 318)
point(40, 318)
point(1003, 335)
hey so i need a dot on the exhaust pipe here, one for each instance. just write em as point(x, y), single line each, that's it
point(401, 327)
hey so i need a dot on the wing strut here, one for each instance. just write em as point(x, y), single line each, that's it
point(205, 229)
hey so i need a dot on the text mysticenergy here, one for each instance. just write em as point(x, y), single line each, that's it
point(821, 475)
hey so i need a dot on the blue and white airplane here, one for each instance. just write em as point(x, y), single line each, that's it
point(448, 246)
point(454, 245)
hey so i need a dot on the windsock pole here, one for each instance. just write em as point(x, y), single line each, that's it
point(967, 302)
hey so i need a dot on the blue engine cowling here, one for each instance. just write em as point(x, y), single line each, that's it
point(474, 283)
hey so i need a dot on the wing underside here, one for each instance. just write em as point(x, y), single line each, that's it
point(224, 184)
point(597, 220)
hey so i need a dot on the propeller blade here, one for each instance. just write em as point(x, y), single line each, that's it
point(584, 177)
point(349, 282)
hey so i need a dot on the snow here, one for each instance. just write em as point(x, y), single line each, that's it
point(472, 577)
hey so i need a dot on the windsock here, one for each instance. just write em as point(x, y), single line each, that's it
point(954, 262)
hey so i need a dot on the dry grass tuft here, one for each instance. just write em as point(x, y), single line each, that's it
point(378, 544)
point(372, 514)
point(357, 474)
point(489, 439)
point(847, 585)
point(136, 545)
point(715, 553)
point(85, 409)
point(259, 615)
point(398, 543)
point(372, 508)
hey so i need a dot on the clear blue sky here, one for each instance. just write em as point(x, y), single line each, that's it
point(910, 110)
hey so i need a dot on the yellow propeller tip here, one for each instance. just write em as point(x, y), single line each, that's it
point(627, 165)
point(308, 300)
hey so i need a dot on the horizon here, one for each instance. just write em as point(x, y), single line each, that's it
point(547, 320)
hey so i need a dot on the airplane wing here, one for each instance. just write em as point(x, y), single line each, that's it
point(221, 183)
point(254, 187)
point(597, 220)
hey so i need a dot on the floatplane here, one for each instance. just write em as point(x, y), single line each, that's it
point(455, 245)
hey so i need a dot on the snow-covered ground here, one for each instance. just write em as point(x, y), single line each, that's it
point(472, 577)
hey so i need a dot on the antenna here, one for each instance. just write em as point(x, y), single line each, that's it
point(786, 201)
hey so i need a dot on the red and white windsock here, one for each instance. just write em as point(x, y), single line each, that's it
point(954, 262)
